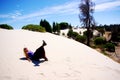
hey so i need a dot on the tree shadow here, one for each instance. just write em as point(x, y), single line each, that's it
point(35, 62)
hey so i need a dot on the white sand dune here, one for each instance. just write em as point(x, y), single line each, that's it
point(80, 31)
point(68, 59)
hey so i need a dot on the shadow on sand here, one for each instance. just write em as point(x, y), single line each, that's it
point(35, 62)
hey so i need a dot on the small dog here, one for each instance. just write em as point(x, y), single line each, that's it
point(40, 52)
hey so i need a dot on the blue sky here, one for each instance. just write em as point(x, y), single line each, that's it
point(18, 13)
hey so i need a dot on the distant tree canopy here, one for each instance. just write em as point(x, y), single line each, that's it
point(60, 26)
point(114, 28)
point(6, 26)
point(111, 27)
point(56, 28)
point(64, 25)
point(44, 23)
point(34, 27)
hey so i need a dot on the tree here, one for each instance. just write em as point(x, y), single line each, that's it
point(70, 32)
point(44, 23)
point(58, 28)
point(54, 27)
point(64, 25)
point(86, 16)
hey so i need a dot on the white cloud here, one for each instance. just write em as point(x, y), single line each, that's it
point(107, 5)
point(67, 8)
point(11, 15)
point(16, 14)
point(4, 15)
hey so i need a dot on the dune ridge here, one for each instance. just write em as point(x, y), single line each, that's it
point(68, 59)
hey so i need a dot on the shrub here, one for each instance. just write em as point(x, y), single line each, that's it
point(99, 41)
point(80, 38)
point(70, 32)
point(33, 27)
point(6, 26)
point(110, 47)
point(74, 35)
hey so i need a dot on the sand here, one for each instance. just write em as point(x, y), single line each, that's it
point(68, 59)
point(79, 30)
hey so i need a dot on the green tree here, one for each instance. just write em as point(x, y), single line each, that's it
point(58, 28)
point(70, 32)
point(64, 25)
point(86, 16)
point(54, 27)
point(6, 26)
point(44, 23)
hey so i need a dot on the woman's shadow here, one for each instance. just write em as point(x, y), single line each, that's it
point(35, 62)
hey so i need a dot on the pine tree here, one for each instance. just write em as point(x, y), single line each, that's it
point(44, 23)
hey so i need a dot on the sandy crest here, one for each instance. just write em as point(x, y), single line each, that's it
point(68, 59)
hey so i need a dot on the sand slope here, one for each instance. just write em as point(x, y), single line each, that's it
point(68, 59)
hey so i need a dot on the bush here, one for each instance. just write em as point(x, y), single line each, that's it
point(80, 38)
point(70, 32)
point(99, 41)
point(5, 26)
point(74, 35)
point(110, 47)
point(33, 27)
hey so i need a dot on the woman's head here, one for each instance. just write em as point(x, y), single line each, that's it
point(25, 50)
point(25, 53)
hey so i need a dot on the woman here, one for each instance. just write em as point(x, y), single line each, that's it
point(38, 54)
